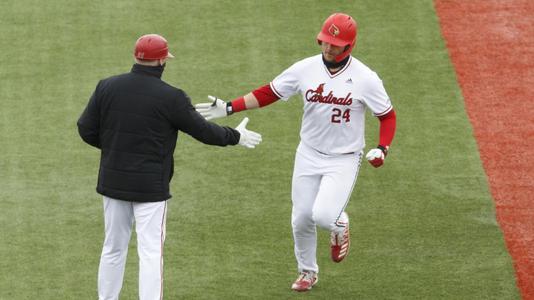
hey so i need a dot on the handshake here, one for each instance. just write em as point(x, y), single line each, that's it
point(217, 109)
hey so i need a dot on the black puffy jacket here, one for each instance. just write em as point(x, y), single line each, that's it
point(134, 118)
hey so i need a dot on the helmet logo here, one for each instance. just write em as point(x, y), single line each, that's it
point(333, 30)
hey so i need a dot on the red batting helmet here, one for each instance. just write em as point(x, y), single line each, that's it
point(152, 47)
point(339, 30)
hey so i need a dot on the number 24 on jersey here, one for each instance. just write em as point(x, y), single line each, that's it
point(338, 115)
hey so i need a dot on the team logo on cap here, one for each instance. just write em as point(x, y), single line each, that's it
point(333, 30)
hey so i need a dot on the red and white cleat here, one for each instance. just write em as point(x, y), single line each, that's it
point(340, 242)
point(305, 281)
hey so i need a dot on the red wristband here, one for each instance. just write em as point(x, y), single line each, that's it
point(238, 104)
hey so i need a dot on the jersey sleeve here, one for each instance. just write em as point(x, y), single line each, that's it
point(286, 84)
point(375, 96)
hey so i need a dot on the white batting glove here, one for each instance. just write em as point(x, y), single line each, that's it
point(248, 138)
point(376, 156)
point(213, 110)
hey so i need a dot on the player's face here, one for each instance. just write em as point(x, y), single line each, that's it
point(330, 51)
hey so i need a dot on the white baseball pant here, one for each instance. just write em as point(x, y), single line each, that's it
point(119, 217)
point(321, 189)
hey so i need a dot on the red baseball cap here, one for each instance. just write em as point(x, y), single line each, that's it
point(152, 47)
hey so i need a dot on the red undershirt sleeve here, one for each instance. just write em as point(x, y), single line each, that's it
point(263, 94)
point(388, 124)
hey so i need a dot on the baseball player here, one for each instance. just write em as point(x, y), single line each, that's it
point(336, 90)
point(134, 119)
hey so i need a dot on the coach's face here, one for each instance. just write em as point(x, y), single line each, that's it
point(330, 51)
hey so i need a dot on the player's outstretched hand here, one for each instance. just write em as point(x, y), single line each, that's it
point(248, 138)
point(212, 110)
point(376, 157)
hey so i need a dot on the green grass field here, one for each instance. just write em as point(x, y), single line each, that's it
point(423, 226)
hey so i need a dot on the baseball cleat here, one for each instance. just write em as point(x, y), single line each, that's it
point(340, 242)
point(305, 281)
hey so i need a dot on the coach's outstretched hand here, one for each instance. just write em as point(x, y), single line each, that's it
point(248, 138)
point(213, 110)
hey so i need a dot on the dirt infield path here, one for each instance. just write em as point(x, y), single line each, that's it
point(491, 44)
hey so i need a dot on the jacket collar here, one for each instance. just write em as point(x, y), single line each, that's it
point(148, 70)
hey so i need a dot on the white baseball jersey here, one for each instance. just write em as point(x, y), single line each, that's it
point(334, 104)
